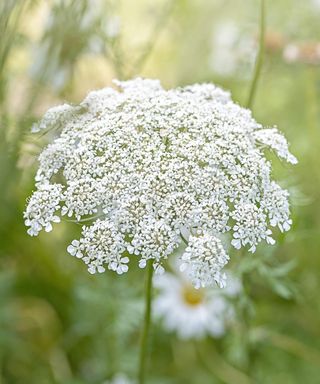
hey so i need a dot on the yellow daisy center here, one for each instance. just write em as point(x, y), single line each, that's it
point(192, 296)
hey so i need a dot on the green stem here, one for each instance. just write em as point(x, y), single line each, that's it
point(146, 325)
point(259, 61)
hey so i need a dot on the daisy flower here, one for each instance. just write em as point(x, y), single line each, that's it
point(119, 378)
point(194, 313)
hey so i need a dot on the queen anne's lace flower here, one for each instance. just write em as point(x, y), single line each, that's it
point(54, 118)
point(42, 206)
point(142, 166)
point(203, 261)
point(273, 139)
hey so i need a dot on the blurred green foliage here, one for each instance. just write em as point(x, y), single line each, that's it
point(59, 324)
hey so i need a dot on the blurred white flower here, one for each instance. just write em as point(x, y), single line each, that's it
point(316, 3)
point(291, 53)
point(304, 52)
point(113, 26)
point(194, 313)
point(233, 50)
point(146, 168)
point(72, 30)
point(119, 378)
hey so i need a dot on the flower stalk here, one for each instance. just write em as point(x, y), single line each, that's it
point(260, 57)
point(146, 324)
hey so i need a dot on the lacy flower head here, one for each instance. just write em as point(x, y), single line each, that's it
point(143, 169)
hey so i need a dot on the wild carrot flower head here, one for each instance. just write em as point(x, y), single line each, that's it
point(144, 167)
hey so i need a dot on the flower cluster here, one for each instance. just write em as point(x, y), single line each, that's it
point(203, 261)
point(146, 168)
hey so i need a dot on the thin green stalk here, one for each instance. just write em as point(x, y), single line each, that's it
point(146, 325)
point(251, 98)
point(260, 57)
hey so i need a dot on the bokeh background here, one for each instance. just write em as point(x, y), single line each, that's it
point(58, 324)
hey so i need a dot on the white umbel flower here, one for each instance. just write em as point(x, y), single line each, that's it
point(203, 261)
point(194, 313)
point(140, 165)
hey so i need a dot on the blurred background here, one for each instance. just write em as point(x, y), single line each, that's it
point(58, 324)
